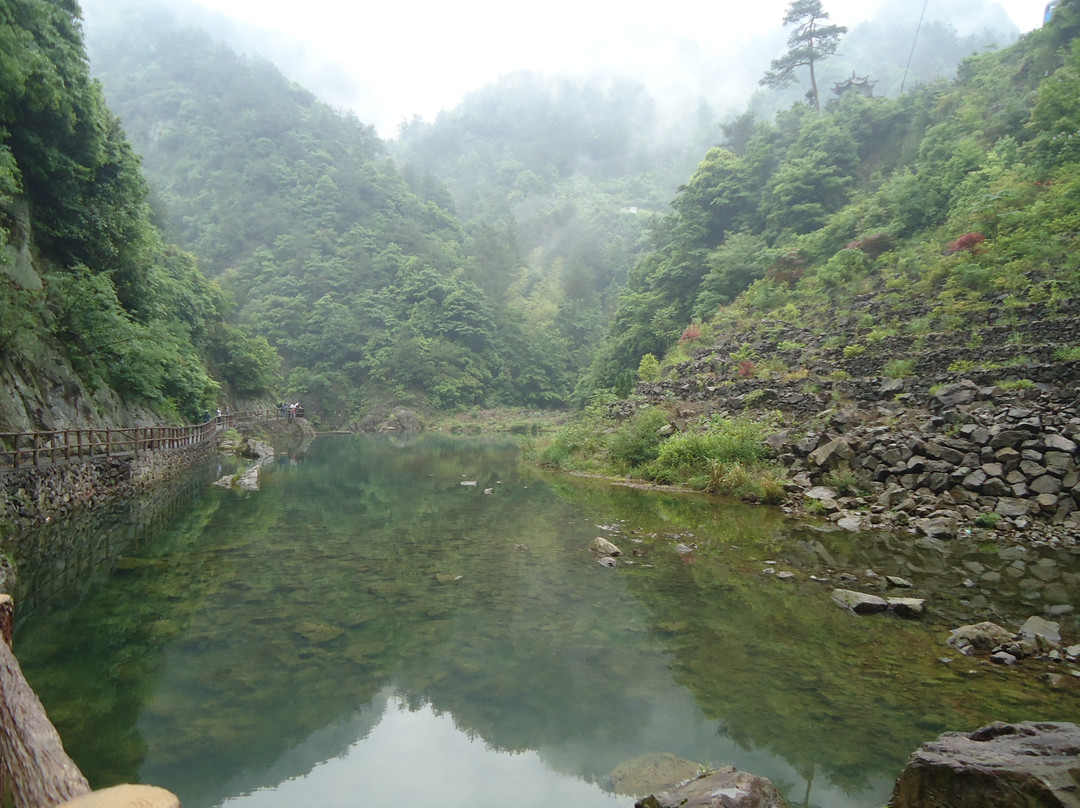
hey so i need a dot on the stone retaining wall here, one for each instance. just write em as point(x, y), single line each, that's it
point(32, 495)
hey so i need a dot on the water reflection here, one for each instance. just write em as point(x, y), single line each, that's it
point(418, 757)
point(271, 644)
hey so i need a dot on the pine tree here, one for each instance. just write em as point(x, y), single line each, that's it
point(809, 43)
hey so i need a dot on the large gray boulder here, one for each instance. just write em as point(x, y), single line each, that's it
point(724, 788)
point(1024, 765)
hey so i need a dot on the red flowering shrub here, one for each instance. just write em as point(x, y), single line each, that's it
point(746, 369)
point(966, 243)
point(691, 333)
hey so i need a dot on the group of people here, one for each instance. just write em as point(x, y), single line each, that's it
point(291, 410)
point(221, 416)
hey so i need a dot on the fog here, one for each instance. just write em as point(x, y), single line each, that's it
point(391, 62)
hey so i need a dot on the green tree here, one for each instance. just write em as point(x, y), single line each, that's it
point(810, 42)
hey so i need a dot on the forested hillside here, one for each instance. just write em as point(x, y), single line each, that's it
point(92, 298)
point(961, 194)
point(479, 259)
point(482, 268)
point(362, 276)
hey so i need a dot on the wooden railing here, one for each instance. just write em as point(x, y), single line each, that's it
point(36, 449)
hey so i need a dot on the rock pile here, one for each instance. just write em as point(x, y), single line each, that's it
point(1038, 637)
point(971, 462)
point(980, 426)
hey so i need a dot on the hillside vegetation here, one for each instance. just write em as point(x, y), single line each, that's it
point(487, 264)
point(955, 193)
point(91, 296)
point(895, 280)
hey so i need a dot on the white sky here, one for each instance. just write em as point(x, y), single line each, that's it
point(420, 56)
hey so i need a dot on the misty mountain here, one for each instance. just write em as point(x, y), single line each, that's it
point(370, 288)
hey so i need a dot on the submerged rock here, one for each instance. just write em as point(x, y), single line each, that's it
point(650, 773)
point(998, 766)
point(603, 547)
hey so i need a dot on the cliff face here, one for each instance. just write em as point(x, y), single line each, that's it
point(39, 388)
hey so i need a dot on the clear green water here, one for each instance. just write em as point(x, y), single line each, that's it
point(367, 630)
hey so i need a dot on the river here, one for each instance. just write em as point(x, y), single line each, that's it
point(372, 627)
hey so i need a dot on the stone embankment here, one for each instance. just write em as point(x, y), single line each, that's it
point(937, 431)
point(32, 495)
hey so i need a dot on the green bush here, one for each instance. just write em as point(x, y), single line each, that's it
point(899, 368)
point(724, 441)
point(637, 440)
point(649, 368)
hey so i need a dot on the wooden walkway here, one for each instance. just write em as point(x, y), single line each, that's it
point(20, 450)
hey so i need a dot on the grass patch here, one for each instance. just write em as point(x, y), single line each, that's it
point(899, 368)
point(1016, 384)
point(727, 456)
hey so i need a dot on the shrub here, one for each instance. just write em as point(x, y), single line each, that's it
point(851, 351)
point(691, 455)
point(649, 368)
point(843, 479)
point(1016, 384)
point(637, 440)
point(899, 368)
point(965, 243)
point(689, 334)
point(787, 269)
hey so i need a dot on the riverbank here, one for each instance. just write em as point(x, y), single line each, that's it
point(891, 413)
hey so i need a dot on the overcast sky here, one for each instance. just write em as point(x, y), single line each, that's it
point(415, 57)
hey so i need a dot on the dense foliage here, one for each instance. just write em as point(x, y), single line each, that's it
point(126, 310)
point(362, 276)
point(954, 191)
point(486, 269)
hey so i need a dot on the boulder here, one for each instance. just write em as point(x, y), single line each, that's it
point(984, 637)
point(998, 766)
point(859, 602)
point(940, 526)
point(603, 547)
point(953, 395)
point(832, 454)
point(724, 788)
point(1036, 626)
point(907, 607)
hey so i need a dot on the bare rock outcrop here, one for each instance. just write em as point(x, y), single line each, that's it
point(998, 766)
point(726, 787)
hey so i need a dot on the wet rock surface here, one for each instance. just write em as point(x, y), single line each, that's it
point(724, 788)
point(998, 766)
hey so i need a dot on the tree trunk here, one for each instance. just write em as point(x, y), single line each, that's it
point(32, 758)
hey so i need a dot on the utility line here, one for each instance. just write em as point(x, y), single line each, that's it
point(914, 42)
